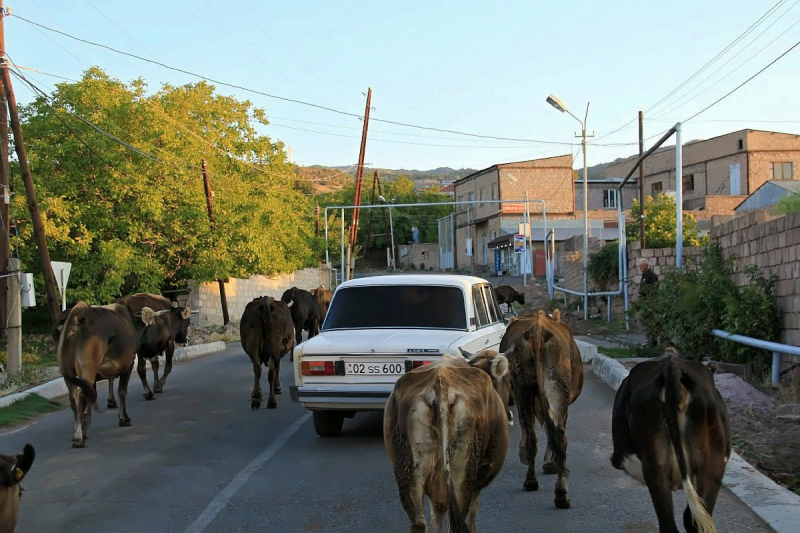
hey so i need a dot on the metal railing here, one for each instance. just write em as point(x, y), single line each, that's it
point(775, 347)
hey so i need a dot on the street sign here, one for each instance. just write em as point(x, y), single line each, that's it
point(61, 272)
point(513, 208)
point(497, 261)
point(519, 243)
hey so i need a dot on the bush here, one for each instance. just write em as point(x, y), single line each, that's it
point(604, 266)
point(684, 306)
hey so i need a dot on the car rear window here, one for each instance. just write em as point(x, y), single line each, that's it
point(397, 306)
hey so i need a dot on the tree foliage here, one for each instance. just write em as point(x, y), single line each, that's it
point(603, 266)
point(129, 223)
point(660, 214)
point(788, 204)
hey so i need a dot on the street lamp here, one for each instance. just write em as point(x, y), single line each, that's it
point(382, 200)
point(558, 104)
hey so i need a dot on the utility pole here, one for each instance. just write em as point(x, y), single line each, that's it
point(5, 191)
point(30, 192)
point(316, 219)
point(641, 181)
point(359, 176)
point(222, 297)
point(375, 180)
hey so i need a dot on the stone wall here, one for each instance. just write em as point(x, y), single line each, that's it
point(204, 297)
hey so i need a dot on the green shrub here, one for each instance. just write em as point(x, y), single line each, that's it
point(604, 266)
point(685, 305)
point(788, 204)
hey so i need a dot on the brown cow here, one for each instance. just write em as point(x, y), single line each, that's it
point(97, 342)
point(446, 431)
point(12, 469)
point(323, 297)
point(670, 430)
point(267, 334)
point(171, 327)
point(546, 377)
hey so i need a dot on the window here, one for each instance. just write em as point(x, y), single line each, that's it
point(609, 198)
point(494, 191)
point(741, 144)
point(494, 309)
point(655, 188)
point(781, 171)
point(460, 207)
point(688, 182)
point(481, 311)
point(480, 198)
point(397, 306)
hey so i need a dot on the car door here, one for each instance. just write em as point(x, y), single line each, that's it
point(487, 315)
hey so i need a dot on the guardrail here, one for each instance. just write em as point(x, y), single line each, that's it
point(775, 347)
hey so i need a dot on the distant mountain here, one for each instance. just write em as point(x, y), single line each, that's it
point(329, 179)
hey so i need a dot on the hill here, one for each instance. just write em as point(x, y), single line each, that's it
point(328, 179)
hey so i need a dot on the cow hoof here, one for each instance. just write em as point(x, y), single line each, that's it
point(531, 486)
point(255, 404)
point(563, 502)
point(272, 404)
point(150, 396)
point(125, 422)
point(111, 404)
point(78, 443)
point(549, 468)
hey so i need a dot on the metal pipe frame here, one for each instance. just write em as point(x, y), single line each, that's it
point(775, 347)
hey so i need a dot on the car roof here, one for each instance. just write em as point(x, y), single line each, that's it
point(454, 280)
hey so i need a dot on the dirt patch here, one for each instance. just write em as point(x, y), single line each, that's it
point(770, 444)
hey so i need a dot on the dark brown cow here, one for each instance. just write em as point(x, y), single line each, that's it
point(546, 377)
point(305, 312)
point(12, 470)
point(670, 430)
point(323, 298)
point(507, 295)
point(171, 327)
point(98, 342)
point(446, 431)
point(267, 334)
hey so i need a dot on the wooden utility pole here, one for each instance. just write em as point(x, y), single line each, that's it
point(641, 181)
point(222, 297)
point(376, 179)
point(14, 306)
point(30, 192)
point(5, 192)
point(359, 176)
point(316, 219)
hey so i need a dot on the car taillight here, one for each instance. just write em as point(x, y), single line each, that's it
point(316, 368)
point(411, 365)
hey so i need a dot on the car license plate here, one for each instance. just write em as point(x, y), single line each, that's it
point(374, 369)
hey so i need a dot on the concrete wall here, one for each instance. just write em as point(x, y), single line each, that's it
point(596, 190)
point(419, 254)
point(204, 297)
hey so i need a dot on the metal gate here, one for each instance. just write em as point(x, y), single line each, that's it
point(446, 243)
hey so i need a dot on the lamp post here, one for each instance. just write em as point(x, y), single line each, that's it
point(382, 200)
point(558, 104)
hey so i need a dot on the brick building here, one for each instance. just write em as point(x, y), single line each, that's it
point(719, 173)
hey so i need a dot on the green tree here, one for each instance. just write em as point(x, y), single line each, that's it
point(130, 223)
point(660, 214)
point(788, 204)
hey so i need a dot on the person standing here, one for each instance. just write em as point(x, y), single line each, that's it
point(647, 285)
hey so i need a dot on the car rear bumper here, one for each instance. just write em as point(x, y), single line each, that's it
point(344, 398)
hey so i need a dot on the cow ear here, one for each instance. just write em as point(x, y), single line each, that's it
point(512, 320)
point(556, 315)
point(499, 366)
point(186, 313)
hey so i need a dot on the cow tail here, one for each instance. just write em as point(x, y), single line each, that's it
point(556, 435)
point(672, 406)
point(88, 390)
point(456, 518)
point(66, 342)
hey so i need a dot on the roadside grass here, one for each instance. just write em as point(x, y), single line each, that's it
point(225, 337)
point(617, 353)
point(26, 409)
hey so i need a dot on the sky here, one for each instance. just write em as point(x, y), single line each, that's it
point(482, 68)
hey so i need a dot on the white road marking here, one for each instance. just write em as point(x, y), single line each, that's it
point(223, 498)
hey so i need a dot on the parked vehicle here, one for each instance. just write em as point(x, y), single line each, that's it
point(379, 328)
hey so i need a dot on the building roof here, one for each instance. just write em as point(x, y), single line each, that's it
point(768, 194)
point(506, 165)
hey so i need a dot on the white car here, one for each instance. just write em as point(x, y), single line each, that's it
point(379, 328)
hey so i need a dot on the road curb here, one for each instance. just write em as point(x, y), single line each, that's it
point(587, 349)
point(777, 506)
point(56, 387)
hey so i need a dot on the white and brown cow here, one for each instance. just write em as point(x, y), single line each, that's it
point(446, 431)
point(12, 469)
point(546, 377)
point(670, 430)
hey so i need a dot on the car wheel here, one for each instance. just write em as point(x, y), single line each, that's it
point(328, 423)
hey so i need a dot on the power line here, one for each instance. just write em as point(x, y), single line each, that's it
point(286, 99)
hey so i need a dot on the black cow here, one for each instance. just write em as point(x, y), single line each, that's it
point(267, 335)
point(670, 429)
point(12, 469)
point(305, 312)
point(171, 327)
point(506, 294)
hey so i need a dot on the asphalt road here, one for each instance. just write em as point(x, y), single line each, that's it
point(199, 459)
